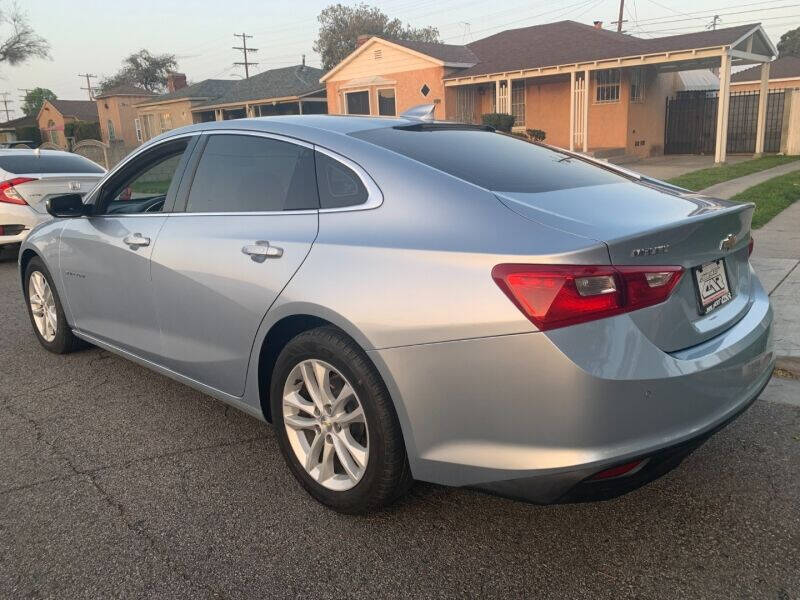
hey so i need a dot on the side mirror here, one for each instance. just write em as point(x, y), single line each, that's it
point(67, 206)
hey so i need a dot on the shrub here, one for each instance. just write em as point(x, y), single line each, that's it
point(536, 135)
point(82, 130)
point(500, 121)
point(30, 133)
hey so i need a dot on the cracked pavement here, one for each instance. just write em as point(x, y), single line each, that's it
point(118, 482)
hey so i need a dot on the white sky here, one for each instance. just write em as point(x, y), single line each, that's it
point(94, 35)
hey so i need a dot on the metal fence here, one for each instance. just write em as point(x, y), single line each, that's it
point(691, 122)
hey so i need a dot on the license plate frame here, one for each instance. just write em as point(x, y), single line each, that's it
point(712, 285)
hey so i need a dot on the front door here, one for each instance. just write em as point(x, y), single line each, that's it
point(105, 257)
point(249, 221)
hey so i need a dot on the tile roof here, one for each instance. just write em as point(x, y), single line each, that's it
point(297, 80)
point(83, 110)
point(449, 53)
point(568, 42)
point(784, 67)
point(125, 89)
point(208, 89)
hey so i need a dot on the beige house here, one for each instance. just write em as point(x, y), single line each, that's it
point(782, 73)
point(174, 109)
point(55, 114)
point(116, 109)
point(588, 88)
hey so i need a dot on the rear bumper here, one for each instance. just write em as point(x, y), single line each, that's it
point(16, 215)
point(533, 415)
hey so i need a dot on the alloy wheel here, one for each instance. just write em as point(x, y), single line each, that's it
point(43, 306)
point(325, 424)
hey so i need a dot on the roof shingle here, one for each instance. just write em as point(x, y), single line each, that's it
point(784, 67)
point(448, 53)
point(208, 89)
point(83, 110)
point(297, 80)
point(125, 89)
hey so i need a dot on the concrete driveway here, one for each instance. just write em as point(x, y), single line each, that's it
point(668, 166)
point(117, 482)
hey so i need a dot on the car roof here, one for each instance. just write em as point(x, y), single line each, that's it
point(34, 152)
point(312, 128)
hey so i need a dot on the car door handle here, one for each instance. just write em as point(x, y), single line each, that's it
point(261, 251)
point(136, 240)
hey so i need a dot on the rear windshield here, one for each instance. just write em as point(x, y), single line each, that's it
point(48, 163)
point(497, 162)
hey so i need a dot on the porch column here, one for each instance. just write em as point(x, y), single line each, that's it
point(763, 97)
point(508, 96)
point(723, 103)
point(572, 111)
point(585, 115)
point(300, 107)
point(218, 114)
point(497, 96)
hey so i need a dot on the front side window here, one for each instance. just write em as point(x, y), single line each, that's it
point(386, 104)
point(357, 103)
point(607, 85)
point(338, 185)
point(246, 173)
point(143, 186)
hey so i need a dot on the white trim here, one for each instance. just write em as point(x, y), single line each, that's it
point(776, 80)
point(759, 29)
point(356, 91)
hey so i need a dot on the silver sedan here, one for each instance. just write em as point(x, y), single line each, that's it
point(409, 299)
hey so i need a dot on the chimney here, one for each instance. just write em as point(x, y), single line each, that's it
point(361, 39)
point(598, 24)
point(304, 61)
point(175, 81)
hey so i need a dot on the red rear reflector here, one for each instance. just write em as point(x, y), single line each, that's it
point(558, 295)
point(7, 192)
point(617, 471)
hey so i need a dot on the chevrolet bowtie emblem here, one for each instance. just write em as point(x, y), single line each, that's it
point(728, 242)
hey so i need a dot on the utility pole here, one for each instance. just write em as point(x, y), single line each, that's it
point(245, 50)
point(5, 108)
point(620, 20)
point(25, 92)
point(88, 87)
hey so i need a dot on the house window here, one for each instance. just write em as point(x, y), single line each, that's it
point(138, 126)
point(518, 102)
point(52, 133)
point(112, 135)
point(357, 103)
point(386, 104)
point(165, 122)
point(637, 85)
point(607, 86)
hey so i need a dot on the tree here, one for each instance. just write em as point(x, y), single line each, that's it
point(789, 44)
point(341, 25)
point(145, 70)
point(34, 100)
point(21, 42)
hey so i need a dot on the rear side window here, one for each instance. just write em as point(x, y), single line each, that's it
point(494, 161)
point(339, 186)
point(245, 173)
point(48, 163)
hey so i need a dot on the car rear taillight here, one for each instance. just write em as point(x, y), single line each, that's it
point(554, 296)
point(7, 192)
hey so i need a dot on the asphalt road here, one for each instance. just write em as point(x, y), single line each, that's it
point(117, 482)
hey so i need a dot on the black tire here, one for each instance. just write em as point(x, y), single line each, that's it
point(64, 341)
point(387, 474)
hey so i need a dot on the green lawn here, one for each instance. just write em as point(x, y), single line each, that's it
point(699, 180)
point(771, 197)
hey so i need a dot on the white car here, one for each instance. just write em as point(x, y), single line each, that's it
point(29, 177)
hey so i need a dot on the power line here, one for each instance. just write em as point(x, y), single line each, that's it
point(5, 108)
point(25, 92)
point(245, 50)
point(88, 87)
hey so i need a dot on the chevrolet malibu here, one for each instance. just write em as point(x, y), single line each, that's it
point(406, 299)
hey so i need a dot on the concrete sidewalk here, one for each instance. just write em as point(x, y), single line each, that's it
point(776, 259)
point(728, 189)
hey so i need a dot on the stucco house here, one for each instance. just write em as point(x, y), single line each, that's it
point(174, 109)
point(293, 90)
point(116, 109)
point(783, 73)
point(55, 114)
point(588, 88)
point(9, 131)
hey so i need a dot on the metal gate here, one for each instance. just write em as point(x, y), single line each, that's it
point(691, 122)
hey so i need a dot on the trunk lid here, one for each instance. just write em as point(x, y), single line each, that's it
point(46, 185)
point(646, 225)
